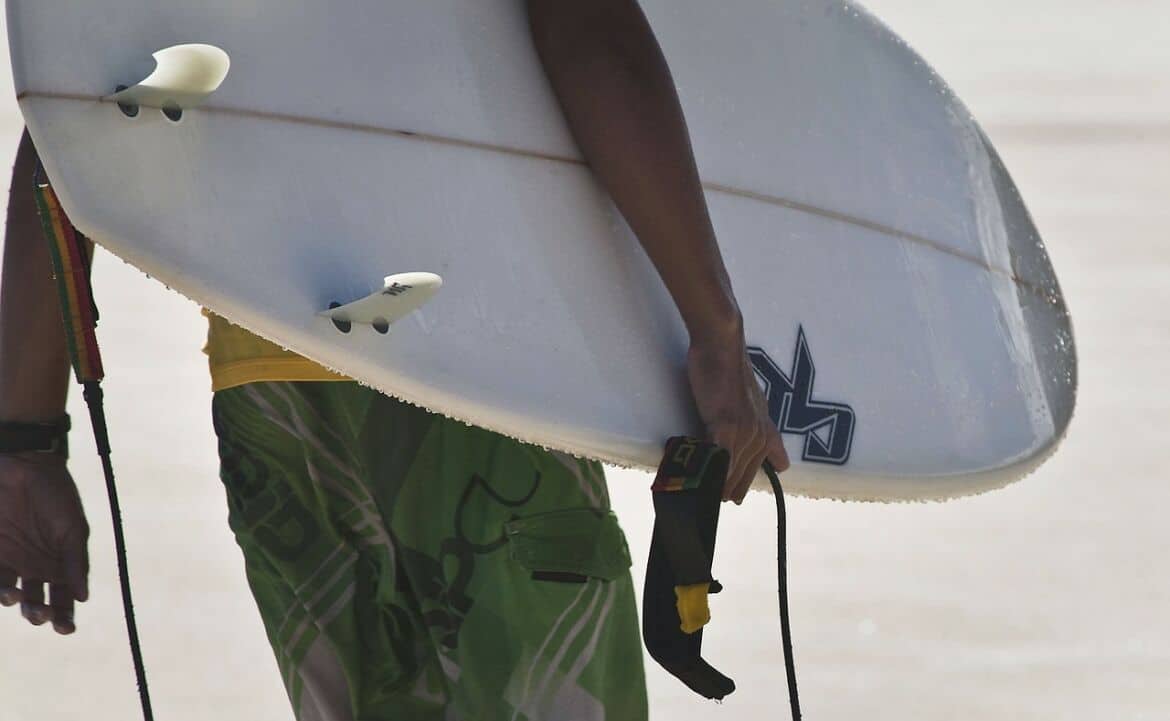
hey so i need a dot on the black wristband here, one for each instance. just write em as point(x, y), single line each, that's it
point(18, 437)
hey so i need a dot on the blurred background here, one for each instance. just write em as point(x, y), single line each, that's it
point(1046, 600)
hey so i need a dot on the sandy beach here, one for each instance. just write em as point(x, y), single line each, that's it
point(1045, 601)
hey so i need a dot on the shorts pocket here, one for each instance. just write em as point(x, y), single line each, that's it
point(568, 545)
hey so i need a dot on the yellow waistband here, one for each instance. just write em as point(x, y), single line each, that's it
point(236, 356)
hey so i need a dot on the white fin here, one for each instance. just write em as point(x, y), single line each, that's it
point(400, 294)
point(183, 77)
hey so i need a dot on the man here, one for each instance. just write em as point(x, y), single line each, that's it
point(374, 532)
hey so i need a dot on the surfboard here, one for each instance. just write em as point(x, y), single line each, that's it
point(906, 323)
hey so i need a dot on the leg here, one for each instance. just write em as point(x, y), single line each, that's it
point(300, 515)
point(374, 535)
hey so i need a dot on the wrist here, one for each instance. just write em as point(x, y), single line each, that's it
point(718, 332)
point(36, 458)
point(35, 439)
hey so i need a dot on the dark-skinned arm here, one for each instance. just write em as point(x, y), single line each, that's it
point(619, 99)
point(43, 531)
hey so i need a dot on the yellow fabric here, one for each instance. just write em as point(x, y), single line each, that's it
point(692, 606)
point(236, 357)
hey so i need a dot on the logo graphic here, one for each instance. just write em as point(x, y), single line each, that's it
point(827, 427)
point(397, 289)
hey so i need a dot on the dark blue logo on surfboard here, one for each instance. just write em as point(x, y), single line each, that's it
point(827, 427)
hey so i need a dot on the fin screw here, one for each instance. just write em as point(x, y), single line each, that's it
point(128, 109)
point(342, 325)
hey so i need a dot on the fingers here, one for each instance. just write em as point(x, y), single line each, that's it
point(9, 593)
point(773, 452)
point(61, 603)
point(751, 455)
point(32, 606)
point(726, 437)
point(75, 564)
point(59, 610)
point(754, 458)
point(732, 405)
point(62, 596)
point(747, 449)
point(776, 454)
point(748, 453)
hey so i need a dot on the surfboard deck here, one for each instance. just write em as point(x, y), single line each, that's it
point(906, 321)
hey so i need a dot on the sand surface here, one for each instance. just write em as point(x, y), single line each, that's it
point(1048, 600)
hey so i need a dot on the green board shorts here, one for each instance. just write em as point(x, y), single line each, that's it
point(407, 566)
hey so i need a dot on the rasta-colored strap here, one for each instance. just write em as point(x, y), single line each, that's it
point(72, 258)
point(687, 494)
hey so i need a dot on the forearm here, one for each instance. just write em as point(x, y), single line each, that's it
point(34, 368)
point(610, 76)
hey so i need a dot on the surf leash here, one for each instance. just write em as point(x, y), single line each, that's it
point(72, 259)
point(782, 587)
point(687, 494)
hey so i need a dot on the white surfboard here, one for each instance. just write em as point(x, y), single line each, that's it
point(908, 325)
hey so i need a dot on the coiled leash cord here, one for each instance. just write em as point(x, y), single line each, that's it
point(71, 264)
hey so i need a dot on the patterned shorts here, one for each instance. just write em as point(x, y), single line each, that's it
point(408, 566)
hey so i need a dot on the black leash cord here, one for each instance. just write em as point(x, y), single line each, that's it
point(93, 398)
point(72, 261)
point(782, 583)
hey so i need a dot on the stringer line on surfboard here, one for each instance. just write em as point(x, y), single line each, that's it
point(827, 213)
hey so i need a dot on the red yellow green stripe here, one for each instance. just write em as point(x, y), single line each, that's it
point(71, 263)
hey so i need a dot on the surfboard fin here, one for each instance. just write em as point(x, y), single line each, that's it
point(183, 77)
point(400, 294)
point(687, 492)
